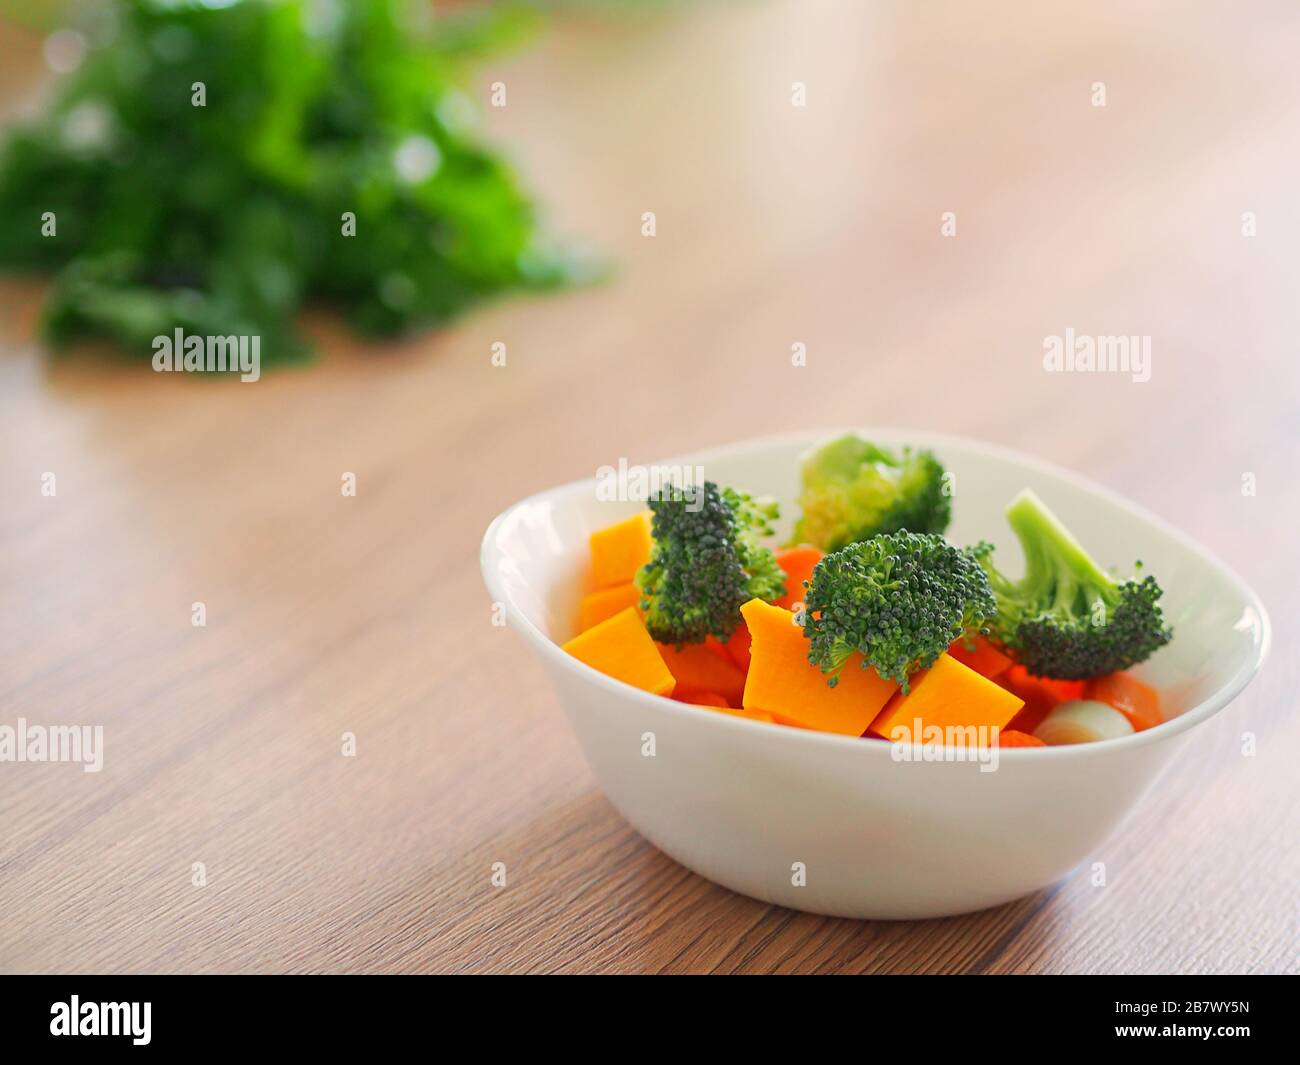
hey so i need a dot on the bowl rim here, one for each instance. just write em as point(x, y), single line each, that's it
point(490, 552)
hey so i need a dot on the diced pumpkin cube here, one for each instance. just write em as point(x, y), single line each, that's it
point(621, 648)
point(982, 657)
point(782, 682)
point(618, 551)
point(698, 669)
point(605, 603)
point(947, 694)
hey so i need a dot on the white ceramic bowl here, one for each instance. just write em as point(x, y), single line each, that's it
point(743, 803)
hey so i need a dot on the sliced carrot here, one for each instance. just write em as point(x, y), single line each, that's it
point(1041, 696)
point(981, 656)
point(598, 606)
point(1011, 738)
point(618, 551)
point(703, 699)
point(621, 648)
point(737, 648)
point(1060, 690)
point(947, 694)
point(784, 683)
point(798, 563)
point(718, 648)
point(697, 669)
point(1138, 702)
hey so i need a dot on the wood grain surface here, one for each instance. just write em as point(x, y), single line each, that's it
point(776, 225)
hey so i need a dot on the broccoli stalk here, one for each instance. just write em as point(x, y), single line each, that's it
point(900, 599)
point(1067, 618)
point(706, 562)
point(854, 489)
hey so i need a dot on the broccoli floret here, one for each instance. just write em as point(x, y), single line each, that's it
point(899, 598)
point(854, 489)
point(706, 562)
point(1067, 618)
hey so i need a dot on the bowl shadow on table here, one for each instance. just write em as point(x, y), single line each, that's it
point(591, 894)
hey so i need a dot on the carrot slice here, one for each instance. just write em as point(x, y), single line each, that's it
point(982, 657)
point(697, 669)
point(1138, 702)
point(947, 694)
point(1041, 696)
point(621, 648)
point(737, 648)
point(598, 606)
point(784, 683)
point(1011, 738)
point(718, 648)
point(798, 563)
point(618, 551)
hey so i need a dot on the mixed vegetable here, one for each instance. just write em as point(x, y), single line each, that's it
point(872, 623)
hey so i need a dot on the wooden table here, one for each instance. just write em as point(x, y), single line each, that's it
point(776, 225)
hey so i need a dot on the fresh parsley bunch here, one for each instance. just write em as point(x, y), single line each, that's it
point(214, 168)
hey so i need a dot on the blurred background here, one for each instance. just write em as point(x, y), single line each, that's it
point(585, 231)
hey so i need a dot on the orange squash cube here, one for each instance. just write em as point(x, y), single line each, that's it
point(782, 682)
point(947, 694)
point(983, 657)
point(605, 603)
point(618, 551)
point(621, 648)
